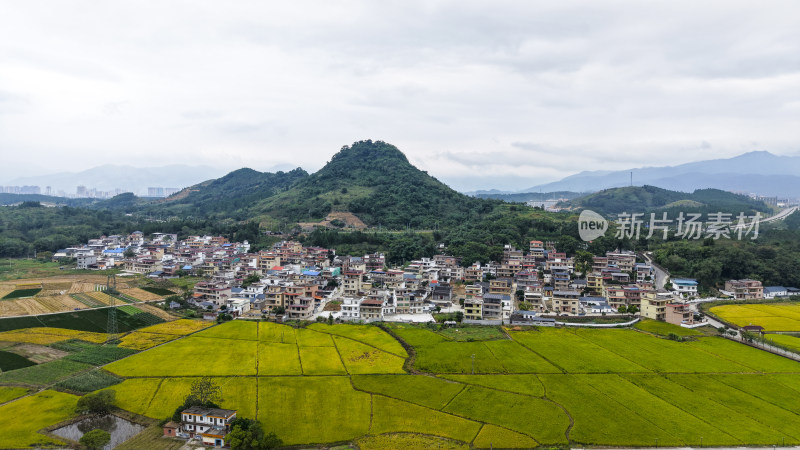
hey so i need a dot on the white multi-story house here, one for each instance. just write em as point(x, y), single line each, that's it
point(684, 287)
point(212, 424)
point(351, 308)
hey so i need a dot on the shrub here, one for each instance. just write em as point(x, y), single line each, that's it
point(101, 402)
point(95, 439)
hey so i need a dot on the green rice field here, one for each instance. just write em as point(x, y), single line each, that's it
point(537, 388)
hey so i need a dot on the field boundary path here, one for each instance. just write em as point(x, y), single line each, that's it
point(599, 325)
point(767, 348)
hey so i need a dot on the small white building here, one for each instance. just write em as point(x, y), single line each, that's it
point(211, 424)
point(771, 292)
point(684, 287)
point(85, 260)
point(238, 305)
point(350, 308)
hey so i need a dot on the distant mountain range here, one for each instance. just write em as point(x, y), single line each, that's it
point(757, 172)
point(133, 179)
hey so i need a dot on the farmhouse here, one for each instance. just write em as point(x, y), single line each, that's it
point(684, 287)
point(211, 424)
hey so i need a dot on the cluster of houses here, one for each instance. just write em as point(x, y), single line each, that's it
point(295, 281)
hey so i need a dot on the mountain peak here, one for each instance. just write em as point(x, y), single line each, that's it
point(370, 151)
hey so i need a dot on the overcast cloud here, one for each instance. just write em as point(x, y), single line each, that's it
point(480, 94)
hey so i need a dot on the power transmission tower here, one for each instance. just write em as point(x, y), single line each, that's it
point(111, 290)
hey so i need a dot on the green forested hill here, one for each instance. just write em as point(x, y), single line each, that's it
point(642, 199)
point(231, 196)
point(374, 181)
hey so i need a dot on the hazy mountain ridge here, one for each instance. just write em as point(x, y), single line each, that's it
point(636, 199)
point(757, 172)
point(110, 176)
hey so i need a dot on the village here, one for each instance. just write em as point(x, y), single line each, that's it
point(535, 286)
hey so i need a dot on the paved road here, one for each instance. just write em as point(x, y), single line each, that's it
point(661, 275)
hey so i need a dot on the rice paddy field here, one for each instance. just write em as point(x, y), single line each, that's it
point(772, 316)
point(51, 294)
point(407, 385)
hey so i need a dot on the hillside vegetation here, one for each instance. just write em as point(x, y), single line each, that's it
point(644, 199)
point(374, 181)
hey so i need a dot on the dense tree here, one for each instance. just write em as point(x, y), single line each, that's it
point(247, 434)
point(95, 439)
point(101, 402)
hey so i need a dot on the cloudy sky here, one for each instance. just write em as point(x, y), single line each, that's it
point(480, 94)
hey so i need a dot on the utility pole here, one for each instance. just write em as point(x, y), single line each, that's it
point(111, 290)
point(473, 363)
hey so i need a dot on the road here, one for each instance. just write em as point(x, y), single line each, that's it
point(780, 216)
point(661, 275)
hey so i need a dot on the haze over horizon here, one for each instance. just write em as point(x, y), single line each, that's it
point(501, 96)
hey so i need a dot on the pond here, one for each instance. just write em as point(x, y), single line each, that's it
point(120, 429)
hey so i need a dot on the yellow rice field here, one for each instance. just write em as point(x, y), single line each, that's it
point(45, 336)
point(141, 294)
point(180, 327)
point(142, 341)
point(773, 317)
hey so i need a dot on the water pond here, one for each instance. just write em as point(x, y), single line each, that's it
point(120, 429)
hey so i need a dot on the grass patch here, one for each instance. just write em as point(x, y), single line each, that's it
point(403, 441)
point(361, 358)
point(273, 332)
point(192, 356)
point(753, 358)
point(419, 389)
point(573, 353)
point(773, 317)
point(664, 328)
point(307, 410)
point(311, 338)
point(777, 421)
point(151, 437)
point(88, 382)
point(741, 428)
point(235, 329)
point(521, 384)
point(73, 345)
point(472, 333)
point(417, 337)
point(48, 336)
point(22, 419)
point(13, 361)
point(492, 436)
point(599, 419)
point(278, 359)
point(8, 393)
point(662, 355)
point(180, 327)
point(46, 373)
point(93, 320)
point(368, 334)
point(98, 356)
point(321, 361)
point(157, 290)
point(21, 293)
point(142, 341)
point(237, 393)
point(135, 395)
point(390, 415)
point(542, 420)
point(786, 341)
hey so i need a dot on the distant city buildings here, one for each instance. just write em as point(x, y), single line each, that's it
point(161, 191)
point(21, 189)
